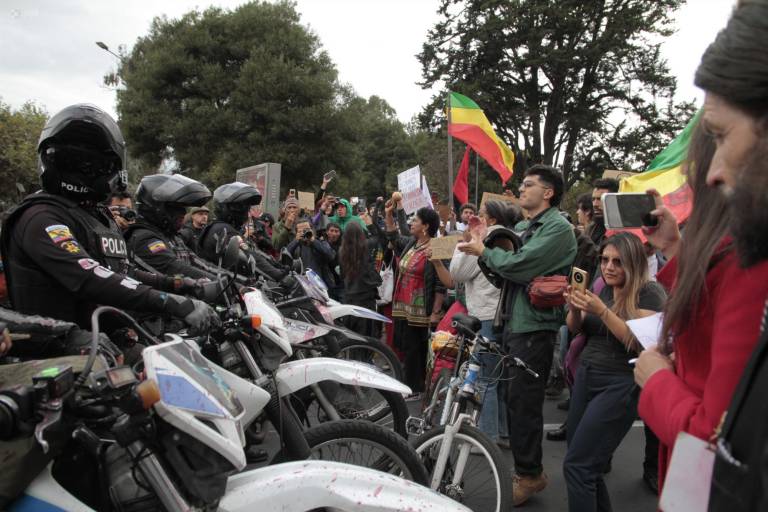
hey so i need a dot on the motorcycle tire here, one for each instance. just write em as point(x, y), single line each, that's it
point(346, 441)
point(372, 352)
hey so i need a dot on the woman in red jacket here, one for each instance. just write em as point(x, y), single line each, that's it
point(712, 317)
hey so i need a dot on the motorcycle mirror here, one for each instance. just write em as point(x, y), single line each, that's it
point(231, 254)
point(286, 258)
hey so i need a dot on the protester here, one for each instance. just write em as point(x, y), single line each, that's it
point(584, 210)
point(418, 296)
point(549, 248)
point(314, 253)
point(604, 401)
point(596, 229)
point(285, 229)
point(481, 300)
point(343, 215)
point(121, 207)
point(332, 235)
point(194, 225)
point(357, 261)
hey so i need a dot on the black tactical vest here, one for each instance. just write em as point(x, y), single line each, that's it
point(175, 243)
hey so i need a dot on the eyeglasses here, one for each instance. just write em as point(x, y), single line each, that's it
point(605, 260)
point(529, 184)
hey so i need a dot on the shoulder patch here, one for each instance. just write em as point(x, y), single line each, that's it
point(70, 246)
point(157, 246)
point(59, 233)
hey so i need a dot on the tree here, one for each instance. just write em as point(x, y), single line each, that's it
point(19, 132)
point(220, 90)
point(574, 83)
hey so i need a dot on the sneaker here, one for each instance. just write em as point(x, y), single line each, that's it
point(413, 397)
point(523, 487)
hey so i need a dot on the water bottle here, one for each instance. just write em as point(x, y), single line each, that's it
point(471, 378)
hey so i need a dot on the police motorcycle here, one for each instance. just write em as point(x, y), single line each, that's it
point(169, 435)
point(352, 402)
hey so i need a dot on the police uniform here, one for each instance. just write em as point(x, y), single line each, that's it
point(62, 260)
point(216, 235)
point(151, 249)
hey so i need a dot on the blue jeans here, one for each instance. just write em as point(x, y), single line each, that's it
point(603, 407)
point(490, 420)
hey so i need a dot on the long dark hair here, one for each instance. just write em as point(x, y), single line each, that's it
point(704, 230)
point(353, 253)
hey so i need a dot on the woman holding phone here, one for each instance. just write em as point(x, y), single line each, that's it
point(604, 396)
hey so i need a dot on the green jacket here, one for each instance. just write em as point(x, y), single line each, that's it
point(282, 236)
point(349, 217)
point(550, 250)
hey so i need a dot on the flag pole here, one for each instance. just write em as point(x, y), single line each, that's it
point(477, 176)
point(450, 151)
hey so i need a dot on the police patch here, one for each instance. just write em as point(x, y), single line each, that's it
point(157, 246)
point(70, 246)
point(102, 272)
point(130, 283)
point(87, 263)
point(59, 233)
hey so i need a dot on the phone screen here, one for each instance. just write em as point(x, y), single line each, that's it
point(628, 210)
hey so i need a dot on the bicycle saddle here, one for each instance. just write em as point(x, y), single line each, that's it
point(465, 323)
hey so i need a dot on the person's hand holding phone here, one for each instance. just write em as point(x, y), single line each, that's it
point(665, 236)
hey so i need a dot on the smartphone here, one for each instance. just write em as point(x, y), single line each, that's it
point(292, 192)
point(329, 175)
point(579, 279)
point(628, 210)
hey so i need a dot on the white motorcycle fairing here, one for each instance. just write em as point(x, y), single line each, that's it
point(339, 310)
point(295, 375)
point(46, 494)
point(309, 485)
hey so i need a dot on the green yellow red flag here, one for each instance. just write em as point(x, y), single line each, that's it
point(665, 174)
point(469, 124)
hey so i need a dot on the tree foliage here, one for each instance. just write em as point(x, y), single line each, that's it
point(219, 90)
point(19, 132)
point(575, 83)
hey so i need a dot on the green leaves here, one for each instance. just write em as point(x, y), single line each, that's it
point(19, 133)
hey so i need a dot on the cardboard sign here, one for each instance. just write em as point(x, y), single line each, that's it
point(442, 248)
point(414, 188)
point(617, 175)
point(444, 211)
point(307, 201)
point(488, 196)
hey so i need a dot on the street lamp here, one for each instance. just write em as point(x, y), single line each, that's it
point(106, 49)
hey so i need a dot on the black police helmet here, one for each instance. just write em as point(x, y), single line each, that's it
point(81, 154)
point(233, 200)
point(159, 194)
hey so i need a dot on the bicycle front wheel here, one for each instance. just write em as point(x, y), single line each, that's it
point(485, 480)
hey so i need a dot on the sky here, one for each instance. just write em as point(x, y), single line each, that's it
point(48, 52)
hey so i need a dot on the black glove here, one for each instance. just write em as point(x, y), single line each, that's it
point(187, 285)
point(196, 314)
point(210, 291)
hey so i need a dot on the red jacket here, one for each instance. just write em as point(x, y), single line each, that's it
point(710, 354)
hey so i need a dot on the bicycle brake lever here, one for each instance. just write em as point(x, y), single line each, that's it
point(520, 364)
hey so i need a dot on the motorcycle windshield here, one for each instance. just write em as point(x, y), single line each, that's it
point(311, 289)
point(190, 383)
point(257, 304)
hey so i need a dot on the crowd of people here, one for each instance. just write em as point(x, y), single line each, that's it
point(84, 240)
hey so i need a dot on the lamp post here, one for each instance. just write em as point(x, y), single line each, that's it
point(106, 49)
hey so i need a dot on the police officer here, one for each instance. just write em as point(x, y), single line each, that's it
point(231, 204)
point(63, 253)
point(153, 240)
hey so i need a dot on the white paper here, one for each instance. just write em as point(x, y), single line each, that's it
point(686, 487)
point(647, 330)
point(414, 188)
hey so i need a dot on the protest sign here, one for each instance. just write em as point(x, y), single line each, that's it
point(307, 201)
point(414, 188)
point(488, 196)
point(444, 211)
point(442, 248)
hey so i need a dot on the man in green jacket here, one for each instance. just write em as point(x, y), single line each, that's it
point(344, 216)
point(549, 247)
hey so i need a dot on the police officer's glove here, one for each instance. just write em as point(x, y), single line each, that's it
point(197, 315)
point(210, 291)
point(187, 285)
